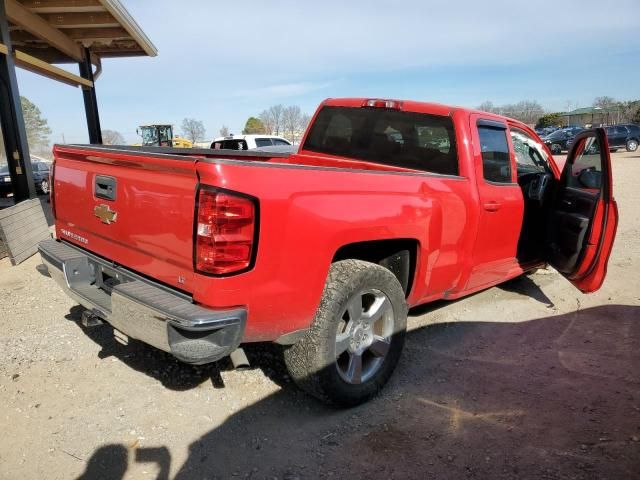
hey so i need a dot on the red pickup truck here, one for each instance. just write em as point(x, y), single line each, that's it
point(388, 204)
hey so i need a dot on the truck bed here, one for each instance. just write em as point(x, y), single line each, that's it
point(306, 203)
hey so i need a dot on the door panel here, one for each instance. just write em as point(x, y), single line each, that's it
point(501, 203)
point(571, 219)
point(584, 216)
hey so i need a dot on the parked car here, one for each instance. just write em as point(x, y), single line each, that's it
point(625, 135)
point(557, 141)
point(40, 177)
point(325, 250)
point(620, 136)
point(248, 142)
point(542, 132)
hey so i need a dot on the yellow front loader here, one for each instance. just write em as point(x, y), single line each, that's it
point(161, 136)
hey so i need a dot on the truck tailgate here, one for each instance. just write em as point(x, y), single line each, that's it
point(133, 209)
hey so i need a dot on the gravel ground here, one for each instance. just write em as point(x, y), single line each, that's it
point(527, 380)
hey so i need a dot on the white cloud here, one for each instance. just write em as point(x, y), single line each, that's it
point(282, 90)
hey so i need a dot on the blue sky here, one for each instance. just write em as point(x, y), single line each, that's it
point(221, 62)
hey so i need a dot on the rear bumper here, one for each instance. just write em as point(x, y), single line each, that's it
point(141, 309)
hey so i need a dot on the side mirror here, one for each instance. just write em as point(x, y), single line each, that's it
point(138, 131)
point(590, 178)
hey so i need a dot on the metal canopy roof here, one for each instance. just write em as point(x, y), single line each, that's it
point(591, 110)
point(57, 31)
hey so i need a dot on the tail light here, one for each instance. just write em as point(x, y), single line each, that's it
point(225, 232)
point(381, 103)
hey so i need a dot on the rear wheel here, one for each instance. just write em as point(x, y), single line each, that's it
point(556, 148)
point(356, 338)
point(632, 145)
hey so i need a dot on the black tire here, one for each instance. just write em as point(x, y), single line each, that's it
point(632, 145)
point(312, 361)
point(556, 148)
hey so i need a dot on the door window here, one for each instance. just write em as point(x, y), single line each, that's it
point(586, 171)
point(530, 156)
point(263, 142)
point(496, 161)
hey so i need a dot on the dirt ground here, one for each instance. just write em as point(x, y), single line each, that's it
point(528, 380)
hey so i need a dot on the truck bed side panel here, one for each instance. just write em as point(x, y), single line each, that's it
point(307, 214)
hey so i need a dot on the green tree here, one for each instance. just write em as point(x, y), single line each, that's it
point(254, 125)
point(549, 120)
point(37, 128)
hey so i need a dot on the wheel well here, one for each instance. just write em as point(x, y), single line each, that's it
point(397, 255)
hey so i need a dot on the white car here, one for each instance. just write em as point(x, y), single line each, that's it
point(248, 142)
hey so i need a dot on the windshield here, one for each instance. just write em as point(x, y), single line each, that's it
point(4, 169)
point(150, 136)
point(404, 139)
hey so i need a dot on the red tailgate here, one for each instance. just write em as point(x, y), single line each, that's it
point(135, 210)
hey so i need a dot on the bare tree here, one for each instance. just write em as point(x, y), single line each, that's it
point(111, 137)
point(487, 107)
point(527, 111)
point(276, 113)
point(305, 120)
point(224, 131)
point(272, 119)
point(291, 116)
point(193, 129)
point(604, 102)
point(266, 121)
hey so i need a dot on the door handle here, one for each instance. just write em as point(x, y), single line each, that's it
point(492, 206)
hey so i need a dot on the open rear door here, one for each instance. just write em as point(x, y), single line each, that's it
point(584, 216)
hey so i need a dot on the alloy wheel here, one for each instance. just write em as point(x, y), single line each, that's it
point(364, 335)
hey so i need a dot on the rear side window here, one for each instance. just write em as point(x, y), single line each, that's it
point(263, 142)
point(496, 161)
point(402, 139)
point(229, 145)
point(279, 141)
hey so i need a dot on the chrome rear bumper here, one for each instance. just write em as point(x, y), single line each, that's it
point(141, 309)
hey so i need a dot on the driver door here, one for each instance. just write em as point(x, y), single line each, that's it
point(584, 216)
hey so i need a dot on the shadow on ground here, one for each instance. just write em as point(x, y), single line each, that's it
point(172, 373)
point(556, 397)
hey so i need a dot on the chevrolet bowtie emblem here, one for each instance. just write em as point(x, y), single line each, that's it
point(105, 214)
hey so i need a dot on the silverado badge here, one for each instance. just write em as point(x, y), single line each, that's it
point(105, 214)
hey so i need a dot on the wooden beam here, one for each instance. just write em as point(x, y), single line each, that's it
point(81, 20)
point(40, 28)
point(46, 53)
point(35, 65)
point(98, 33)
point(122, 54)
point(57, 6)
